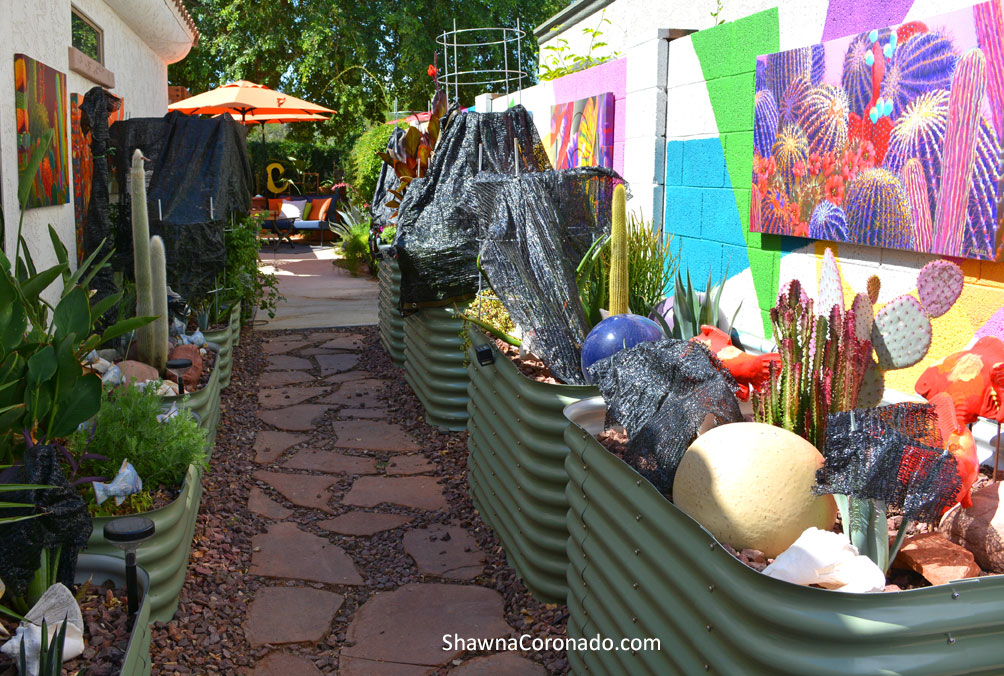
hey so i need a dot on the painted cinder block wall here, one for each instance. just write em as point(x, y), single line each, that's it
point(709, 167)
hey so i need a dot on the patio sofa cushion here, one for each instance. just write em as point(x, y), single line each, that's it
point(322, 206)
point(310, 225)
point(306, 210)
point(292, 208)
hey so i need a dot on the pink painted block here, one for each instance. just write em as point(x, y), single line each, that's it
point(608, 77)
point(620, 120)
point(619, 157)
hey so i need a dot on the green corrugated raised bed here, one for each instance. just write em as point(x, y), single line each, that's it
point(97, 569)
point(434, 366)
point(204, 402)
point(641, 568)
point(516, 467)
point(165, 555)
point(225, 359)
point(235, 323)
point(391, 319)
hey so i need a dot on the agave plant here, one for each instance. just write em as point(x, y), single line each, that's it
point(692, 309)
point(50, 657)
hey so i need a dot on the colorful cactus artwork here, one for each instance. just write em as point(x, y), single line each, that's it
point(889, 138)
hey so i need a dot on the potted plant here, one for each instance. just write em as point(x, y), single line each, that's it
point(168, 455)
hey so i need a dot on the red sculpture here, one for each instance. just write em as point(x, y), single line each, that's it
point(973, 378)
point(750, 371)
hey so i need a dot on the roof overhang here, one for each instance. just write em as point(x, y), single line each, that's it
point(164, 25)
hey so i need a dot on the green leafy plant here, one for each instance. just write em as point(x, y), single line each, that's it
point(354, 241)
point(46, 575)
point(126, 428)
point(693, 309)
point(242, 280)
point(387, 234)
point(487, 312)
point(364, 163)
point(561, 61)
point(716, 15)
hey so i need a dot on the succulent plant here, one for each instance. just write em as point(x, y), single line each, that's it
point(823, 118)
point(831, 288)
point(901, 333)
point(922, 64)
point(863, 316)
point(619, 288)
point(141, 256)
point(917, 195)
point(874, 288)
point(765, 122)
point(939, 285)
point(158, 275)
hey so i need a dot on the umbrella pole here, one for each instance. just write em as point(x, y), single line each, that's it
point(264, 160)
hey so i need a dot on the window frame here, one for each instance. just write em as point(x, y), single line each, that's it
point(75, 12)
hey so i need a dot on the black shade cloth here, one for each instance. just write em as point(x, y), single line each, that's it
point(534, 229)
point(890, 453)
point(63, 521)
point(436, 245)
point(96, 107)
point(193, 160)
point(662, 392)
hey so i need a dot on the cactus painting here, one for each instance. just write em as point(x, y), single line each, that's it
point(888, 138)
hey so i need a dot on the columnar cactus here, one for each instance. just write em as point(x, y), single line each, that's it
point(823, 118)
point(619, 290)
point(922, 64)
point(965, 100)
point(158, 274)
point(765, 122)
point(989, 17)
point(917, 195)
point(785, 66)
point(141, 257)
point(878, 213)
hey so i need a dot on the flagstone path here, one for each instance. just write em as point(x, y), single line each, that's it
point(338, 483)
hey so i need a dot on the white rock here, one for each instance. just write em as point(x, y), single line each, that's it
point(56, 604)
point(100, 366)
point(827, 559)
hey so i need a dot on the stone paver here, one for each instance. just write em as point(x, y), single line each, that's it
point(281, 378)
point(409, 464)
point(285, 551)
point(331, 462)
point(371, 436)
point(291, 615)
point(303, 490)
point(367, 413)
point(346, 341)
point(285, 362)
point(502, 664)
point(282, 346)
point(294, 418)
point(336, 363)
point(364, 523)
point(314, 351)
point(318, 336)
point(407, 625)
point(445, 551)
point(261, 504)
point(355, 666)
point(358, 394)
point(288, 396)
point(419, 492)
point(346, 377)
point(284, 664)
point(269, 445)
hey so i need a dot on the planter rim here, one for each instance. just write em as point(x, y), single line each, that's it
point(191, 474)
point(503, 359)
point(582, 409)
point(112, 568)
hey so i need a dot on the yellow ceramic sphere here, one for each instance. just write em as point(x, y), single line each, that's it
point(750, 484)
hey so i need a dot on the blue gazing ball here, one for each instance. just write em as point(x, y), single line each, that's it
point(614, 334)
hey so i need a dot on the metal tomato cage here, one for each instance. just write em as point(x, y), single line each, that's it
point(466, 43)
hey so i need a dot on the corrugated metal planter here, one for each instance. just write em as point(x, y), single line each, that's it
point(98, 569)
point(225, 359)
point(235, 323)
point(391, 320)
point(516, 467)
point(642, 568)
point(165, 555)
point(204, 402)
point(434, 366)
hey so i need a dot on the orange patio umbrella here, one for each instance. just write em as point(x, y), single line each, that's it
point(246, 98)
point(277, 118)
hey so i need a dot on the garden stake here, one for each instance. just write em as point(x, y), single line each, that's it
point(997, 452)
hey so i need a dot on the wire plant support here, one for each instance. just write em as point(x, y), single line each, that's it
point(469, 46)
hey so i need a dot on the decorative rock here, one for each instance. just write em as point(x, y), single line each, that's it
point(331, 462)
point(280, 378)
point(373, 436)
point(502, 664)
point(137, 371)
point(269, 445)
point(980, 528)
point(407, 625)
point(409, 464)
point(358, 394)
point(300, 489)
point(936, 558)
point(445, 551)
point(291, 615)
point(364, 523)
point(287, 396)
point(288, 552)
point(54, 605)
point(261, 504)
point(109, 354)
point(284, 664)
point(193, 374)
point(335, 363)
point(284, 362)
point(419, 492)
point(295, 418)
point(750, 484)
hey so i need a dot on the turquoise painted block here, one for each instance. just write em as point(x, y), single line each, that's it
point(674, 163)
point(701, 257)
point(683, 211)
point(719, 217)
point(704, 164)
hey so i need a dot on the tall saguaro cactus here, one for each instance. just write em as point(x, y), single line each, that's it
point(158, 274)
point(619, 291)
point(141, 257)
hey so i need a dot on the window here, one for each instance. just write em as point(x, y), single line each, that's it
point(87, 37)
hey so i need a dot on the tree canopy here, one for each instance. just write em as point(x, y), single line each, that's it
point(357, 57)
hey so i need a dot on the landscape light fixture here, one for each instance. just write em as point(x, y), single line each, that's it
point(179, 367)
point(128, 533)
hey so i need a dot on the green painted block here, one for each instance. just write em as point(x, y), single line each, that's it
point(739, 160)
point(754, 35)
point(743, 205)
point(714, 47)
point(768, 327)
point(732, 100)
point(753, 240)
point(764, 269)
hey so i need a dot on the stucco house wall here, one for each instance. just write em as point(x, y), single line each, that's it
point(41, 30)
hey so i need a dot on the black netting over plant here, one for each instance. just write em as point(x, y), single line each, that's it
point(380, 214)
point(662, 393)
point(436, 245)
point(534, 229)
point(63, 522)
point(198, 175)
point(890, 453)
